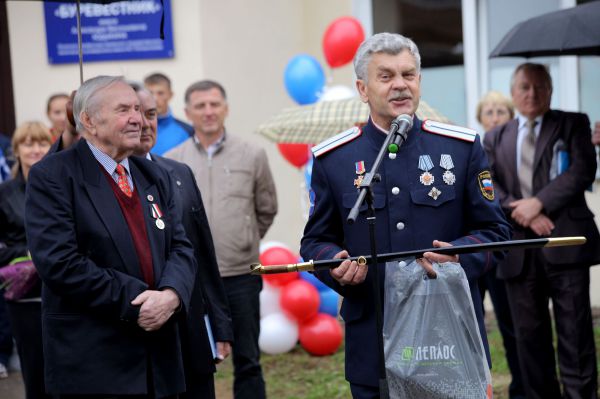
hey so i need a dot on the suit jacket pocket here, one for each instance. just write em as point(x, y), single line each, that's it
point(421, 196)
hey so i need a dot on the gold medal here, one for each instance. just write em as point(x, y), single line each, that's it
point(426, 179)
point(160, 224)
point(358, 181)
point(425, 164)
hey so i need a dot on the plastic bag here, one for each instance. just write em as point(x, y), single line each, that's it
point(431, 338)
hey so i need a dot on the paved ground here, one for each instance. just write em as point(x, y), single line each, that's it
point(12, 387)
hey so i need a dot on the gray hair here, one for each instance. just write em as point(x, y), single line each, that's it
point(540, 69)
point(85, 99)
point(388, 43)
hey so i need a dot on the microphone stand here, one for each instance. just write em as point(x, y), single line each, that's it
point(392, 143)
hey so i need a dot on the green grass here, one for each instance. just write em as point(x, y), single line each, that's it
point(297, 375)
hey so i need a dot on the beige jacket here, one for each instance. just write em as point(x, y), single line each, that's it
point(239, 195)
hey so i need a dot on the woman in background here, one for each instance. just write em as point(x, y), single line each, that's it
point(56, 110)
point(493, 110)
point(30, 142)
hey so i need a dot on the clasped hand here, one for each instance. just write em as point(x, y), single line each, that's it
point(156, 308)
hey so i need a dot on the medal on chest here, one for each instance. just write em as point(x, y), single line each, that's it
point(157, 215)
point(446, 162)
point(426, 164)
point(360, 171)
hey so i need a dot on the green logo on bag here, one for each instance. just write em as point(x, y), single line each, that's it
point(407, 353)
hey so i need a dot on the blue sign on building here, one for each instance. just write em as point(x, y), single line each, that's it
point(123, 30)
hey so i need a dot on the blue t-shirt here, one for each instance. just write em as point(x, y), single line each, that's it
point(171, 133)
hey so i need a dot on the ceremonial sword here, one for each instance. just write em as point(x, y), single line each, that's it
point(312, 265)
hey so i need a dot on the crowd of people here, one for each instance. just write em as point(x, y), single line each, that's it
point(142, 227)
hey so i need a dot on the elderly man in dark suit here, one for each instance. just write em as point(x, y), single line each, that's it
point(542, 162)
point(209, 300)
point(106, 237)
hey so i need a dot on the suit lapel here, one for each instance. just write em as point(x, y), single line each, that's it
point(108, 209)
point(509, 152)
point(149, 194)
point(547, 135)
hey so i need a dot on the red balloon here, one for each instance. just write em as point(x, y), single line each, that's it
point(299, 300)
point(295, 153)
point(278, 256)
point(341, 40)
point(321, 335)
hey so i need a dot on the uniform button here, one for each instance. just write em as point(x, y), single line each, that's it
point(402, 263)
point(395, 190)
point(400, 226)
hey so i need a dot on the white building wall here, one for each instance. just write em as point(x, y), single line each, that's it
point(244, 45)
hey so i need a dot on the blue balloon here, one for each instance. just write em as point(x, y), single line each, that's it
point(304, 79)
point(329, 302)
point(314, 281)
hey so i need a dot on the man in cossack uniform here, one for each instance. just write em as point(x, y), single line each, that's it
point(437, 191)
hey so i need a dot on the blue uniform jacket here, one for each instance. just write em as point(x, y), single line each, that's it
point(407, 218)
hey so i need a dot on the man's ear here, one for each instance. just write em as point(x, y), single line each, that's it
point(361, 87)
point(87, 122)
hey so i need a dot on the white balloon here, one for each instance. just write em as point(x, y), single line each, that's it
point(338, 92)
point(278, 334)
point(269, 300)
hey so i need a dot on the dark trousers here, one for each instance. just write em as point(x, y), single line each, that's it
point(199, 386)
point(364, 391)
point(529, 295)
point(6, 339)
point(497, 289)
point(26, 322)
point(243, 297)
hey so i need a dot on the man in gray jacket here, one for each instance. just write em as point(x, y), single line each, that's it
point(240, 200)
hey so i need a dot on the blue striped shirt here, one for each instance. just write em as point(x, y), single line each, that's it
point(110, 165)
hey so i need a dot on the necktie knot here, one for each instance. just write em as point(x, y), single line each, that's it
point(121, 170)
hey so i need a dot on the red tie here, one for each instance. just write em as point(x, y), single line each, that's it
point(122, 180)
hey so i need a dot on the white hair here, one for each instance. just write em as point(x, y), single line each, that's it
point(388, 43)
point(85, 100)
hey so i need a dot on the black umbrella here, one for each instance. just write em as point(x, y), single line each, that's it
point(572, 31)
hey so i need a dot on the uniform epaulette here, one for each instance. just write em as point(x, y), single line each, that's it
point(444, 129)
point(336, 141)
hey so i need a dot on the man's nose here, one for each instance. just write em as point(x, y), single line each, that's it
point(399, 83)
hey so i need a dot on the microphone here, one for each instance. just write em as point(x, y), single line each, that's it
point(399, 128)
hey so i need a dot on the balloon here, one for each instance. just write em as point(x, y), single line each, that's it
point(264, 245)
point(338, 92)
point(278, 256)
point(304, 79)
point(329, 302)
point(299, 300)
point(295, 153)
point(278, 334)
point(269, 300)
point(341, 40)
point(321, 335)
point(314, 281)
